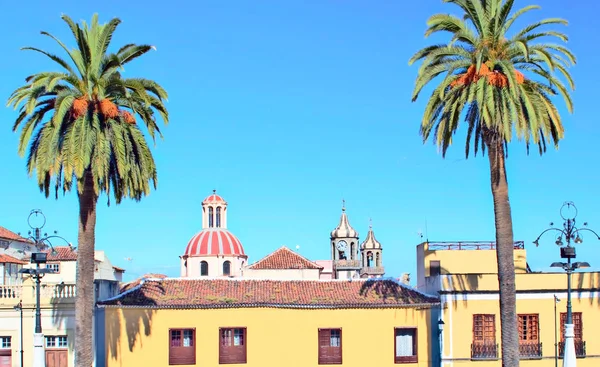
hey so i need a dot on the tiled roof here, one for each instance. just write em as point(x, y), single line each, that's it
point(7, 259)
point(134, 283)
point(116, 268)
point(284, 258)
point(10, 235)
point(235, 293)
point(63, 253)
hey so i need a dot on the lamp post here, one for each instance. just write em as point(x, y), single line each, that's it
point(570, 233)
point(556, 300)
point(37, 273)
point(19, 307)
point(441, 325)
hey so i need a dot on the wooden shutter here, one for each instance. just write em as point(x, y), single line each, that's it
point(529, 328)
point(577, 322)
point(328, 353)
point(229, 352)
point(484, 328)
point(178, 353)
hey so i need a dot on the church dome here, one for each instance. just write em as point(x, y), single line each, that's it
point(344, 229)
point(214, 241)
point(213, 199)
point(214, 238)
point(370, 242)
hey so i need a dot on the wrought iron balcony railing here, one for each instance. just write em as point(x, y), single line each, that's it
point(484, 351)
point(579, 349)
point(530, 350)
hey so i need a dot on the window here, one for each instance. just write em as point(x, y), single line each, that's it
point(330, 346)
point(577, 330)
point(578, 325)
point(56, 341)
point(182, 346)
point(218, 217)
point(5, 342)
point(55, 267)
point(227, 268)
point(405, 345)
point(203, 268)
point(484, 337)
point(435, 268)
point(232, 346)
point(528, 328)
point(4, 244)
point(529, 336)
point(210, 217)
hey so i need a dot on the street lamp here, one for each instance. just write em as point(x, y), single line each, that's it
point(19, 307)
point(37, 273)
point(556, 300)
point(569, 232)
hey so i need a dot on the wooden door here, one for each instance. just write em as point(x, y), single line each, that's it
point(57, 358)
point(5, 358)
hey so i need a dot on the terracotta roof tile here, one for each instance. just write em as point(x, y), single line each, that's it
point(284, 258)
point(10, 235)
point(116, 268)
point(63, 253)
point(224, 293)
point(7, 259)
point(134, 283)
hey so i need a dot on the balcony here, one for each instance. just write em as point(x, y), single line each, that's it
point(372, 270)
point(579, 349)
point(530, 350)
point(481, 351)
point(346, 264)
point(10, 294)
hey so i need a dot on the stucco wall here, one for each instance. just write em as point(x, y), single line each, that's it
point(275, 337)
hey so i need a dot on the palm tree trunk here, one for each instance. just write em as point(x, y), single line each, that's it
point(84, 309)
point(504, 254)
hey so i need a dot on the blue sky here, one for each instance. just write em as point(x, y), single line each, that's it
point(288, 107)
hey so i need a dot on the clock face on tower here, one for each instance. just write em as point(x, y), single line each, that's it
point(341, 245)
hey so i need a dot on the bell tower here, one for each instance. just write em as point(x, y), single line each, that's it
point(371, 256)
point(344, 249)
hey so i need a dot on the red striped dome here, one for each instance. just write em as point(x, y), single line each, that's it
point(213, 199)
point(214, 241)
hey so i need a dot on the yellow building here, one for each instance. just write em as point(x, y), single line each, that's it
point(262, 323)
point(465, 277)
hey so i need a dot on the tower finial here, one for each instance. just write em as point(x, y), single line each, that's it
point(370, 223)
point(214, 191)
point(343, 205)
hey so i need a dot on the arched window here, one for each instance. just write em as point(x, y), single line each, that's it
point(210, 217)
point(227, 268)
point(218, 217)
point(204, 268)
point(377, 259)
point(352, 255)
point(369, 259)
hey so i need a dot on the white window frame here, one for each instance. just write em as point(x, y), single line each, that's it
point(57, 342)
point(5, 342)
point(54, 266)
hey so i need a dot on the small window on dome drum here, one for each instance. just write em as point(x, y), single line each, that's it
point(227, 268)
point(218, 217)
point(204, 268)
point(210, 217)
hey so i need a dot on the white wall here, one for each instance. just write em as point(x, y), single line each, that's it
point(282, 274)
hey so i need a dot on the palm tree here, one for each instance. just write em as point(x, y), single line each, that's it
point(502, 84)
point(81, 127)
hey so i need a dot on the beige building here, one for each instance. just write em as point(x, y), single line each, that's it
point(57, 300)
